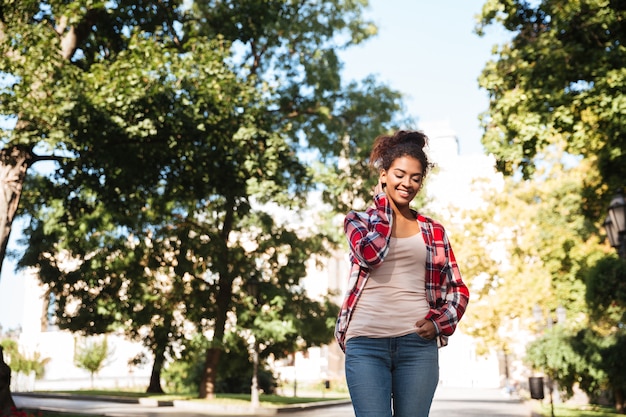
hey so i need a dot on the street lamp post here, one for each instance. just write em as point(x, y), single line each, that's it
point(253, 290)
point(254, 386)
point(615, 224)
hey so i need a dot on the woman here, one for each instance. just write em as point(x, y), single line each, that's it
point(406, 294)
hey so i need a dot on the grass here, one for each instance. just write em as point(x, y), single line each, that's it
point(29, 413)
point(123, 394)
point(51, 414)
point(561, 410)
point(265, 399)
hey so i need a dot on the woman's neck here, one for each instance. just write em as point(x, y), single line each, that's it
point(404, 224)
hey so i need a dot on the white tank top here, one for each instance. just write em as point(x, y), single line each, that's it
point(394, 297)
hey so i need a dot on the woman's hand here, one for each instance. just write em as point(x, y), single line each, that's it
point(426, 329)
point(379, 188)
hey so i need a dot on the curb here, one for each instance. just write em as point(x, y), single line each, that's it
point(312, 406)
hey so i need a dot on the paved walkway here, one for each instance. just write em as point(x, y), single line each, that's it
point(448, 402)
point(476, 402)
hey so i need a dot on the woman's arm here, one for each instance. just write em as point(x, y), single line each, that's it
point(447, 289)
point(368, 232)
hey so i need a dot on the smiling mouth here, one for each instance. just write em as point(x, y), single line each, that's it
point(404, 193)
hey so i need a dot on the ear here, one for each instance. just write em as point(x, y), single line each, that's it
point(383, 176)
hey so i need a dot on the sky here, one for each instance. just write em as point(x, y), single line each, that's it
point(425, 49)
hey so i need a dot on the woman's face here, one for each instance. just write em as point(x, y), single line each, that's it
point(404, 180)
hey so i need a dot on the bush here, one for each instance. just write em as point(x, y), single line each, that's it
point(234, 373)
point(22, 363)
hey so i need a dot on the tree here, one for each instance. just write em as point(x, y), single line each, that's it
point(24, 363)
point(43, 91)
point(172, 127)
point(108, 207)
point(6, 399)
point(557, 84)
point(606, 291)
point(559, 79)
point(528, 244)
point(92, 355)
point(606, 297)
point(589, 358)
point(555, 355)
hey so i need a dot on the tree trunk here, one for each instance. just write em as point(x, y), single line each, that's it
point(14, 161)
point(224, 296)
point(155, 376)
point(618, 395)
point(207, 384)
point(6, 399)
point(212, 358)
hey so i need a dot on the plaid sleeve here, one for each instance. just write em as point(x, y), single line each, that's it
point(448, 293)
point(368, 232)
point(356, 283)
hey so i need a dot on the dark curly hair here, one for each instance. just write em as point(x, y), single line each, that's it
point(388, 148)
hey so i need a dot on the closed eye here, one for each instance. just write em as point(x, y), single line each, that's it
point(399, 174)
point(417, 178)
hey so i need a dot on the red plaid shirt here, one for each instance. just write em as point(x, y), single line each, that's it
point(368, 234)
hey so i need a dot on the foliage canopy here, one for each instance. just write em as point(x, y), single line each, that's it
point(180, 134)
point(559, 79)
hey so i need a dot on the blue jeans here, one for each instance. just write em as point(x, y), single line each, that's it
point(392, 376)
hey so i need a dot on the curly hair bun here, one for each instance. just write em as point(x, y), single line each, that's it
point(387, 148)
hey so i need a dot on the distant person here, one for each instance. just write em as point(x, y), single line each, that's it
point(406, 294)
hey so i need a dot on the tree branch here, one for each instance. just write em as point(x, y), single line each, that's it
point(77, 34)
